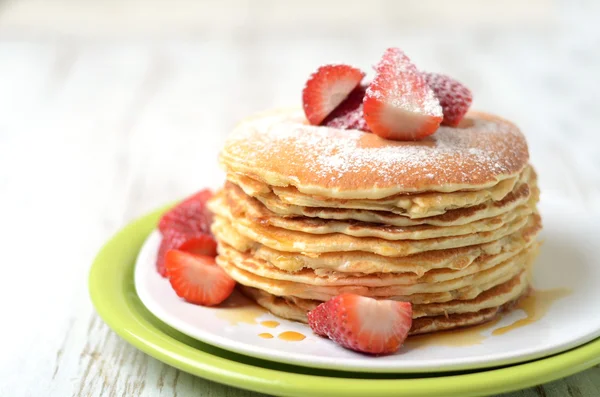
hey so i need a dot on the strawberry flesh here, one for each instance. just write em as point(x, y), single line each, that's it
point(363, 324)
point(325, 89)
point(454, 97)
point(349, 114)
point(398, 103)
point(197, 279)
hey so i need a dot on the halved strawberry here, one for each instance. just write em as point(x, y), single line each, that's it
point(349, 114)
point(454, 97)
point(327, 88)
point(363, 324)
point(399, 104)
point(190, 216)
point(200, 244)
point(197, 279)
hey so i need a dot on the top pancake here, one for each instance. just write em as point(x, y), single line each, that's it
point(279, 148)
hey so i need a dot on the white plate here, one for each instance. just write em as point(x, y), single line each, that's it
point(569, 259)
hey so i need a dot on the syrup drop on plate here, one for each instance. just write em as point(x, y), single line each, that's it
point(291, 336)
point(270, 324)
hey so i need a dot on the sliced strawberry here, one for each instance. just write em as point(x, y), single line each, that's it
point(190, 216)
point(349, 114)
point(197, 279)
point(171, 240)
point(363, 324)
point(200, 244)
point(454, 97)
point(327, 88)
point(399, 104)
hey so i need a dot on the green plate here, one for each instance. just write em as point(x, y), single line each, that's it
point(114, 296)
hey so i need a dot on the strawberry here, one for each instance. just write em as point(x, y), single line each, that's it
point(349, 114)
point(454, 97)
point(399, 104)
point(190, 216)
point(200, 244)
point(197, 279)
point(363, 324)
point(327, 88)
point(171, 240)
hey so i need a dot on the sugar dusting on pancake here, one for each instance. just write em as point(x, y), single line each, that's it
point(280, 149)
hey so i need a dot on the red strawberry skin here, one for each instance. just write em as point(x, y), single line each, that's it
point(398, 103)
point(197, 279)
point(189, 216)
point(186, 227)
point(454, 97)
point(349, 114)
point(327, 88)
point(171, 239)
point(363, 324)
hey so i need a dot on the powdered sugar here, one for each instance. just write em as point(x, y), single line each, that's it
point(350, 159)
point(401, 85)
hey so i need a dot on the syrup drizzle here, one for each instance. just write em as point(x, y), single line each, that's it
point(535, 306)
point(239, 309)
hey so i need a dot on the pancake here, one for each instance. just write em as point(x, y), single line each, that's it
point(448, 223)
point(390, 283)
point(414, 206)
point(293, 310)
point(519, 196)
point(293, 241)
point(235, 197)
point(356, 262)
point(280, 149)
point(409, 293)
point(432, 280)
point(475, 311)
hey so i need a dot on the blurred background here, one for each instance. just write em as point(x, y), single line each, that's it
point(110, 108)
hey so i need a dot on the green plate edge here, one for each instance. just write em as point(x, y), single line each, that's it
point(113, 294)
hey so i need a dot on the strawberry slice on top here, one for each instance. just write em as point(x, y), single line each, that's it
point(363, 324)
point(327, 88)
point(399, 104)
point(454, 97)
point(349, 114)
point(197, 278)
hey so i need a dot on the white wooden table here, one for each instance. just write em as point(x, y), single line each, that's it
point(100, 124)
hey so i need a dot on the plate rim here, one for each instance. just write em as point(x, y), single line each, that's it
point(111, 276)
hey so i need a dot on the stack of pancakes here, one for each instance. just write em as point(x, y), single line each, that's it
point(448, 223)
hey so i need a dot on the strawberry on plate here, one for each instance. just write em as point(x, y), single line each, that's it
point(190, 216)
point(198, 243)
point(399, 104)
point(327, 88)
point(197, 278)
point(186, 227)
point(363, 324)
point(454, 97)
point(349, 114)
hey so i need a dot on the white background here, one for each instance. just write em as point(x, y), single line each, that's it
point(111, 108)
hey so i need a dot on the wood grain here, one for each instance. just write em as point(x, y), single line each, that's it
point(96, 130)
